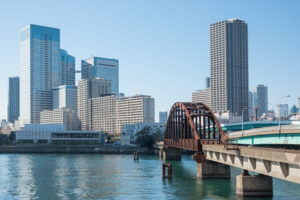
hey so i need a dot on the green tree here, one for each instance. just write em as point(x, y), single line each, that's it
point(109, 138)
point(158, 135)
point(145, 138)
point(5, 139)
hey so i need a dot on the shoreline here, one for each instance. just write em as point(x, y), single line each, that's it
point(76, 149)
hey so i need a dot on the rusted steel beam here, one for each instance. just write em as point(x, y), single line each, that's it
point(189, 126)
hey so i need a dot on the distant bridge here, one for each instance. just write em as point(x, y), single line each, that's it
point(193, 126)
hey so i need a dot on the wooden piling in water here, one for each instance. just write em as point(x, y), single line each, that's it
point(136, 155)
point(169, 170)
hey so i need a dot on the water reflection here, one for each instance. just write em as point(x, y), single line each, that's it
point(185, 184)
point(59, 176)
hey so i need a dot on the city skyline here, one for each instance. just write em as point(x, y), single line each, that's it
point(135, 71)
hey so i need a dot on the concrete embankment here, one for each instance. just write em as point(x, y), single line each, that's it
point(75, 149)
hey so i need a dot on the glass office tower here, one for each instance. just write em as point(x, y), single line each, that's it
point(67, 68)
point(13, 109)
point(40, 70)
point(105, 68)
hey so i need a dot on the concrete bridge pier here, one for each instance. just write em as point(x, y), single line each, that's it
point(253, 186)
point(170, 154)
point(213, 170)
point(209, 169)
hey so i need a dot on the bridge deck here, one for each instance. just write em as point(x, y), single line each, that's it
point(289, 134)
point(279, 163)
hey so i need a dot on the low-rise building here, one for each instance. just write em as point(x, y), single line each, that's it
point(55, 134)
point(3, 123)
point(129, 131)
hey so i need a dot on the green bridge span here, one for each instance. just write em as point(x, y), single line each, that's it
point(264, 133)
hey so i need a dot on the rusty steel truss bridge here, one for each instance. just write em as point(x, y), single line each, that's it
point(194, 127)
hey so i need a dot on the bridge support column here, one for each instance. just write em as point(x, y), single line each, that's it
point(213, 170)
point(171, 154)
point(209, 169)
point(160, 154)
point(254, 186)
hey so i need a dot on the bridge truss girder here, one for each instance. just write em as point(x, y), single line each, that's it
point(191, 124)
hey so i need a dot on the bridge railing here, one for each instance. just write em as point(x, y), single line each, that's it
point(189, 144)
point(263, 129)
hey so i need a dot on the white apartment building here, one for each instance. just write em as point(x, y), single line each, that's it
point(135, 109)
point(103, 114)
point(87, 89)
point(202, 96)
point(62, 116)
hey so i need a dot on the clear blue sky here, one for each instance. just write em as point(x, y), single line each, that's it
point(162, 46)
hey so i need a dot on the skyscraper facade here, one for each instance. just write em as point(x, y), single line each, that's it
point(40, 70)
point(163, 117)
point(207, 82)
point(13, 110)
point(251, 104)
point(65, 96)
point(261, 99)
point(105, 68)
point(229, 67)
point(67, 63)
point(87, 89)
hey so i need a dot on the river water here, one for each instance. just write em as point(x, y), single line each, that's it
point(83, 176)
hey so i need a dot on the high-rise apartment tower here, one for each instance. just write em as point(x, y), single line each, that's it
point(229, 67)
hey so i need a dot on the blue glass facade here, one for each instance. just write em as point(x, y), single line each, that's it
point(40, 70)
point(106, 68)
point(13, 110)
point(67, 68)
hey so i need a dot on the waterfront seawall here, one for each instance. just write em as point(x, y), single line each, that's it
point(75, 149)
